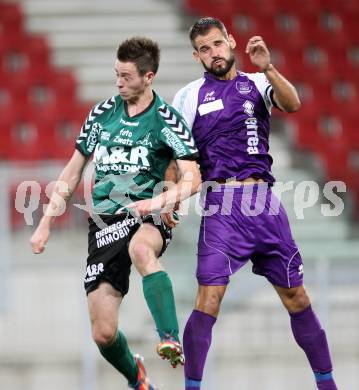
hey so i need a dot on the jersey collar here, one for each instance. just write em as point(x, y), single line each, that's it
point(142, 112)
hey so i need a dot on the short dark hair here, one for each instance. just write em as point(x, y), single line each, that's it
point(142, 51)
point(203, 25)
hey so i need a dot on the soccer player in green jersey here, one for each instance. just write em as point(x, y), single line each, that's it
point(132, 137)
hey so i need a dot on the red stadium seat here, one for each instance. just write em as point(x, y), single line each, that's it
point(324, 29)
point(65, 130)
point(45, 94)
point(350, 129)
point(325, 137)
point(210, 7)
point(7, 119)
point(336, 97)
point(345, 62)
point(270, 8)
point(37, 50)
point(23, 55)
point(27, 138)
point(30, 135)
point(307, 95)
point(310, 64)
point(306, 134)
point(6, 98)
point(278, 30)
point(256, 8)
point(243, 27)
point(10, 19)
point(273, 7)
point(65, 85)
point(289, 28)
point(343, 7)
point(345, 94)
point(13, 60)
point(298, 7)
point(35, 96)
point(335, 158)
point(315, 131)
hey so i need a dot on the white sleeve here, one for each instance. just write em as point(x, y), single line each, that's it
point(186, 99)
point(264, 88)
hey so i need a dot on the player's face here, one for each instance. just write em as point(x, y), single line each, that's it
point(215, 51)
point(130, 83)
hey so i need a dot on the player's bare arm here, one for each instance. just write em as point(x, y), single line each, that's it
point(188, 185)
point(172, 175)
point(285, 94)
point(64, 188)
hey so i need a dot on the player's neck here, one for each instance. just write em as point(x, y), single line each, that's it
point(230, 75)
point(139, 105)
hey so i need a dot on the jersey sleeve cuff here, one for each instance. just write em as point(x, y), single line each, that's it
point(78, 147)
point(271, 97)
point(191, 157)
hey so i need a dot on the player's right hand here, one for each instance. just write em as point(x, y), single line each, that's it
point(258, 52)
point(39, 239)
point(169, 220)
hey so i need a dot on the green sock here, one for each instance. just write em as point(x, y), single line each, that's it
point(157, 288)
point(120, 356)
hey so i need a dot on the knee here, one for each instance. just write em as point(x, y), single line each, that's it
point(103, 334)
point(209, 303)
point(140, 254)
point(144, 259)
point(296, 300)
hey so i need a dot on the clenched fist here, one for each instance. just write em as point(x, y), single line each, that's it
point(39, 239)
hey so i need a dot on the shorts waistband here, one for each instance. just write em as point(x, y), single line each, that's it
point(234, 181)
point(109, 218)
point(249, 190)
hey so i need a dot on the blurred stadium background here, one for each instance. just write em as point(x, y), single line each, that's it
point(56, 61)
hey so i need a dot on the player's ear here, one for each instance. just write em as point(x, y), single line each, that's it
point(149, 76)
point(232, 42)
point(196, 56)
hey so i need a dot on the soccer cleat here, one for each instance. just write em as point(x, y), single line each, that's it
point(171, 350)
point(143, 382)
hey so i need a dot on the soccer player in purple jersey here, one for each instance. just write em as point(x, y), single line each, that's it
point(229, 111)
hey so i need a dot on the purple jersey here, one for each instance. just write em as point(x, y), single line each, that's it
point(230, 124)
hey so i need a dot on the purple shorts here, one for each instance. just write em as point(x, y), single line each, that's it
point(242, 223)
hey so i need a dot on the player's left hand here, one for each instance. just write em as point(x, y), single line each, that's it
point(258, 52)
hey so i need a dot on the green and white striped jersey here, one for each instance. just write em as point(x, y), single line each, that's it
point(131, 154)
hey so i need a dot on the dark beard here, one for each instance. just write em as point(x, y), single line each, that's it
point(222, 71)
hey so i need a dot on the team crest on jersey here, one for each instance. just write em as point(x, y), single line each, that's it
point(145, 141)
point(105, 136)
point(243, 87)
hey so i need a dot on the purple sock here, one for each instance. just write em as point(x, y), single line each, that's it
point(310, 336)
point(197, 339)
